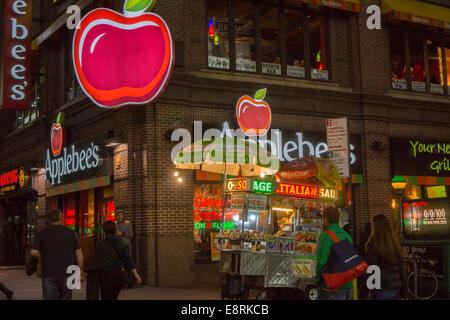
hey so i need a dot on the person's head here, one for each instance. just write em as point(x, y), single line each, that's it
point(386, 244)
point(109, 228)
point(330, 215)
point(54, 216)
point(119, 215)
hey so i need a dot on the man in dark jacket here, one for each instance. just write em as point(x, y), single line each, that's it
point(58, 247)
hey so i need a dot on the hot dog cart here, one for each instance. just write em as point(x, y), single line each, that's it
point(273, 240)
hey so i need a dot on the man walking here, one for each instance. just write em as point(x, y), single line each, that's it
point(330, 219)
point(58, 247)
point(125, 231)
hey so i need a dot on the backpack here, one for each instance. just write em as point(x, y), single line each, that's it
point(344, 264)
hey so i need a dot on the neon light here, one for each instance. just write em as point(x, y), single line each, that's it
point(108, 75)
point(303, 191)
point(71, 161)
point(262, 186)
point(237, 185)
point(9, 178)
point(208, 203)
point(211, 28)
point(213, 225)
point(254, 116)
point(216, 39)
point(282, 209)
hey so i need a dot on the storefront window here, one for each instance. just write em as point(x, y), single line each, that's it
point(295, 43)
point(435, 65)
point(398, 67)
point(447, 58)
point(270, 39)
point(218, 42)
point(207, 209)
point(416, 49)
point(318, 42)
point(245, 36)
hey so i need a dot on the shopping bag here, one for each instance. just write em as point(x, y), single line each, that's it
point(344, 264)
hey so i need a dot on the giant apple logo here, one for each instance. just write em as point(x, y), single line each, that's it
point(57, 136)
point(254, 115)
point(123, 59)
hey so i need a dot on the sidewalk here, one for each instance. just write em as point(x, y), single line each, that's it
point(29, 288)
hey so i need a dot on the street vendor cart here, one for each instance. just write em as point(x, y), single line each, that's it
point(272, 243)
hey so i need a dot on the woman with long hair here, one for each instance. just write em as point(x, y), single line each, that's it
point(383, 249)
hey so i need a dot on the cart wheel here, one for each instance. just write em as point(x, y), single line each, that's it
point(312, 293)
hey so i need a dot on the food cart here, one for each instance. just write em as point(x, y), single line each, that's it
point(273, 229)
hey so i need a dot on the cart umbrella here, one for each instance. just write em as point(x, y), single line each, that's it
point(230, 156)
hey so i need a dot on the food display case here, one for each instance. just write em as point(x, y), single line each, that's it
point(277, 227)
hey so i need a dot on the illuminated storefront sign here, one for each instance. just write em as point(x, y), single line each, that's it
point(214, 225)
point(16, 57)
point(254, 115)
point(113, 64)
point(208, 203)
point(418, 157)
point(426, 218)
point(73, 159)
point(262, 186)
point(289, 145)
point(303, 191)
point(13, 180)
point(237, 185)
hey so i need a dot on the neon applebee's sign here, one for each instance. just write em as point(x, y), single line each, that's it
point(123, 59)
point(16, 60)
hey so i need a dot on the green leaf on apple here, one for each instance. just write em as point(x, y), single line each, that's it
point(260, 94)
point(60, 117)
point(139, 5)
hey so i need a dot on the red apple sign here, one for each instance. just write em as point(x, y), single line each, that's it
point(254, 115)
point(56, 136)
point(122, 59)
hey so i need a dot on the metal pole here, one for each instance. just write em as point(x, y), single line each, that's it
point(351, 211)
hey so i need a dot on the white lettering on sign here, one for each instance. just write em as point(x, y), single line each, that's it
point(16, 55)
point(70, 162)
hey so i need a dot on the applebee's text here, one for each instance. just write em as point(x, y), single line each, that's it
point(16, 54)
point(71, 161)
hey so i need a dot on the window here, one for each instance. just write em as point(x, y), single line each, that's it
point(207, 209)
point(416, 49)
point(24, 117)
point(295, 43)
point(398, 61)
point(446, 65)
point(273, 37)
point(218, 41)
point(434, 53)
point(318, 43)
point(244, 29)
point(270, 39)
point(426, 60)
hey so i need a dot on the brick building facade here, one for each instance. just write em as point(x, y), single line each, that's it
point(159, 208)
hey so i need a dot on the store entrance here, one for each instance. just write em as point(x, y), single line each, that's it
point(18, 228)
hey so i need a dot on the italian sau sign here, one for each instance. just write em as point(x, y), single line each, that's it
point(16, 55)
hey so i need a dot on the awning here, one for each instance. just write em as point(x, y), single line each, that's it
point(416, 12)
point(427, 181)
point(79, 186)
point(348, 5)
